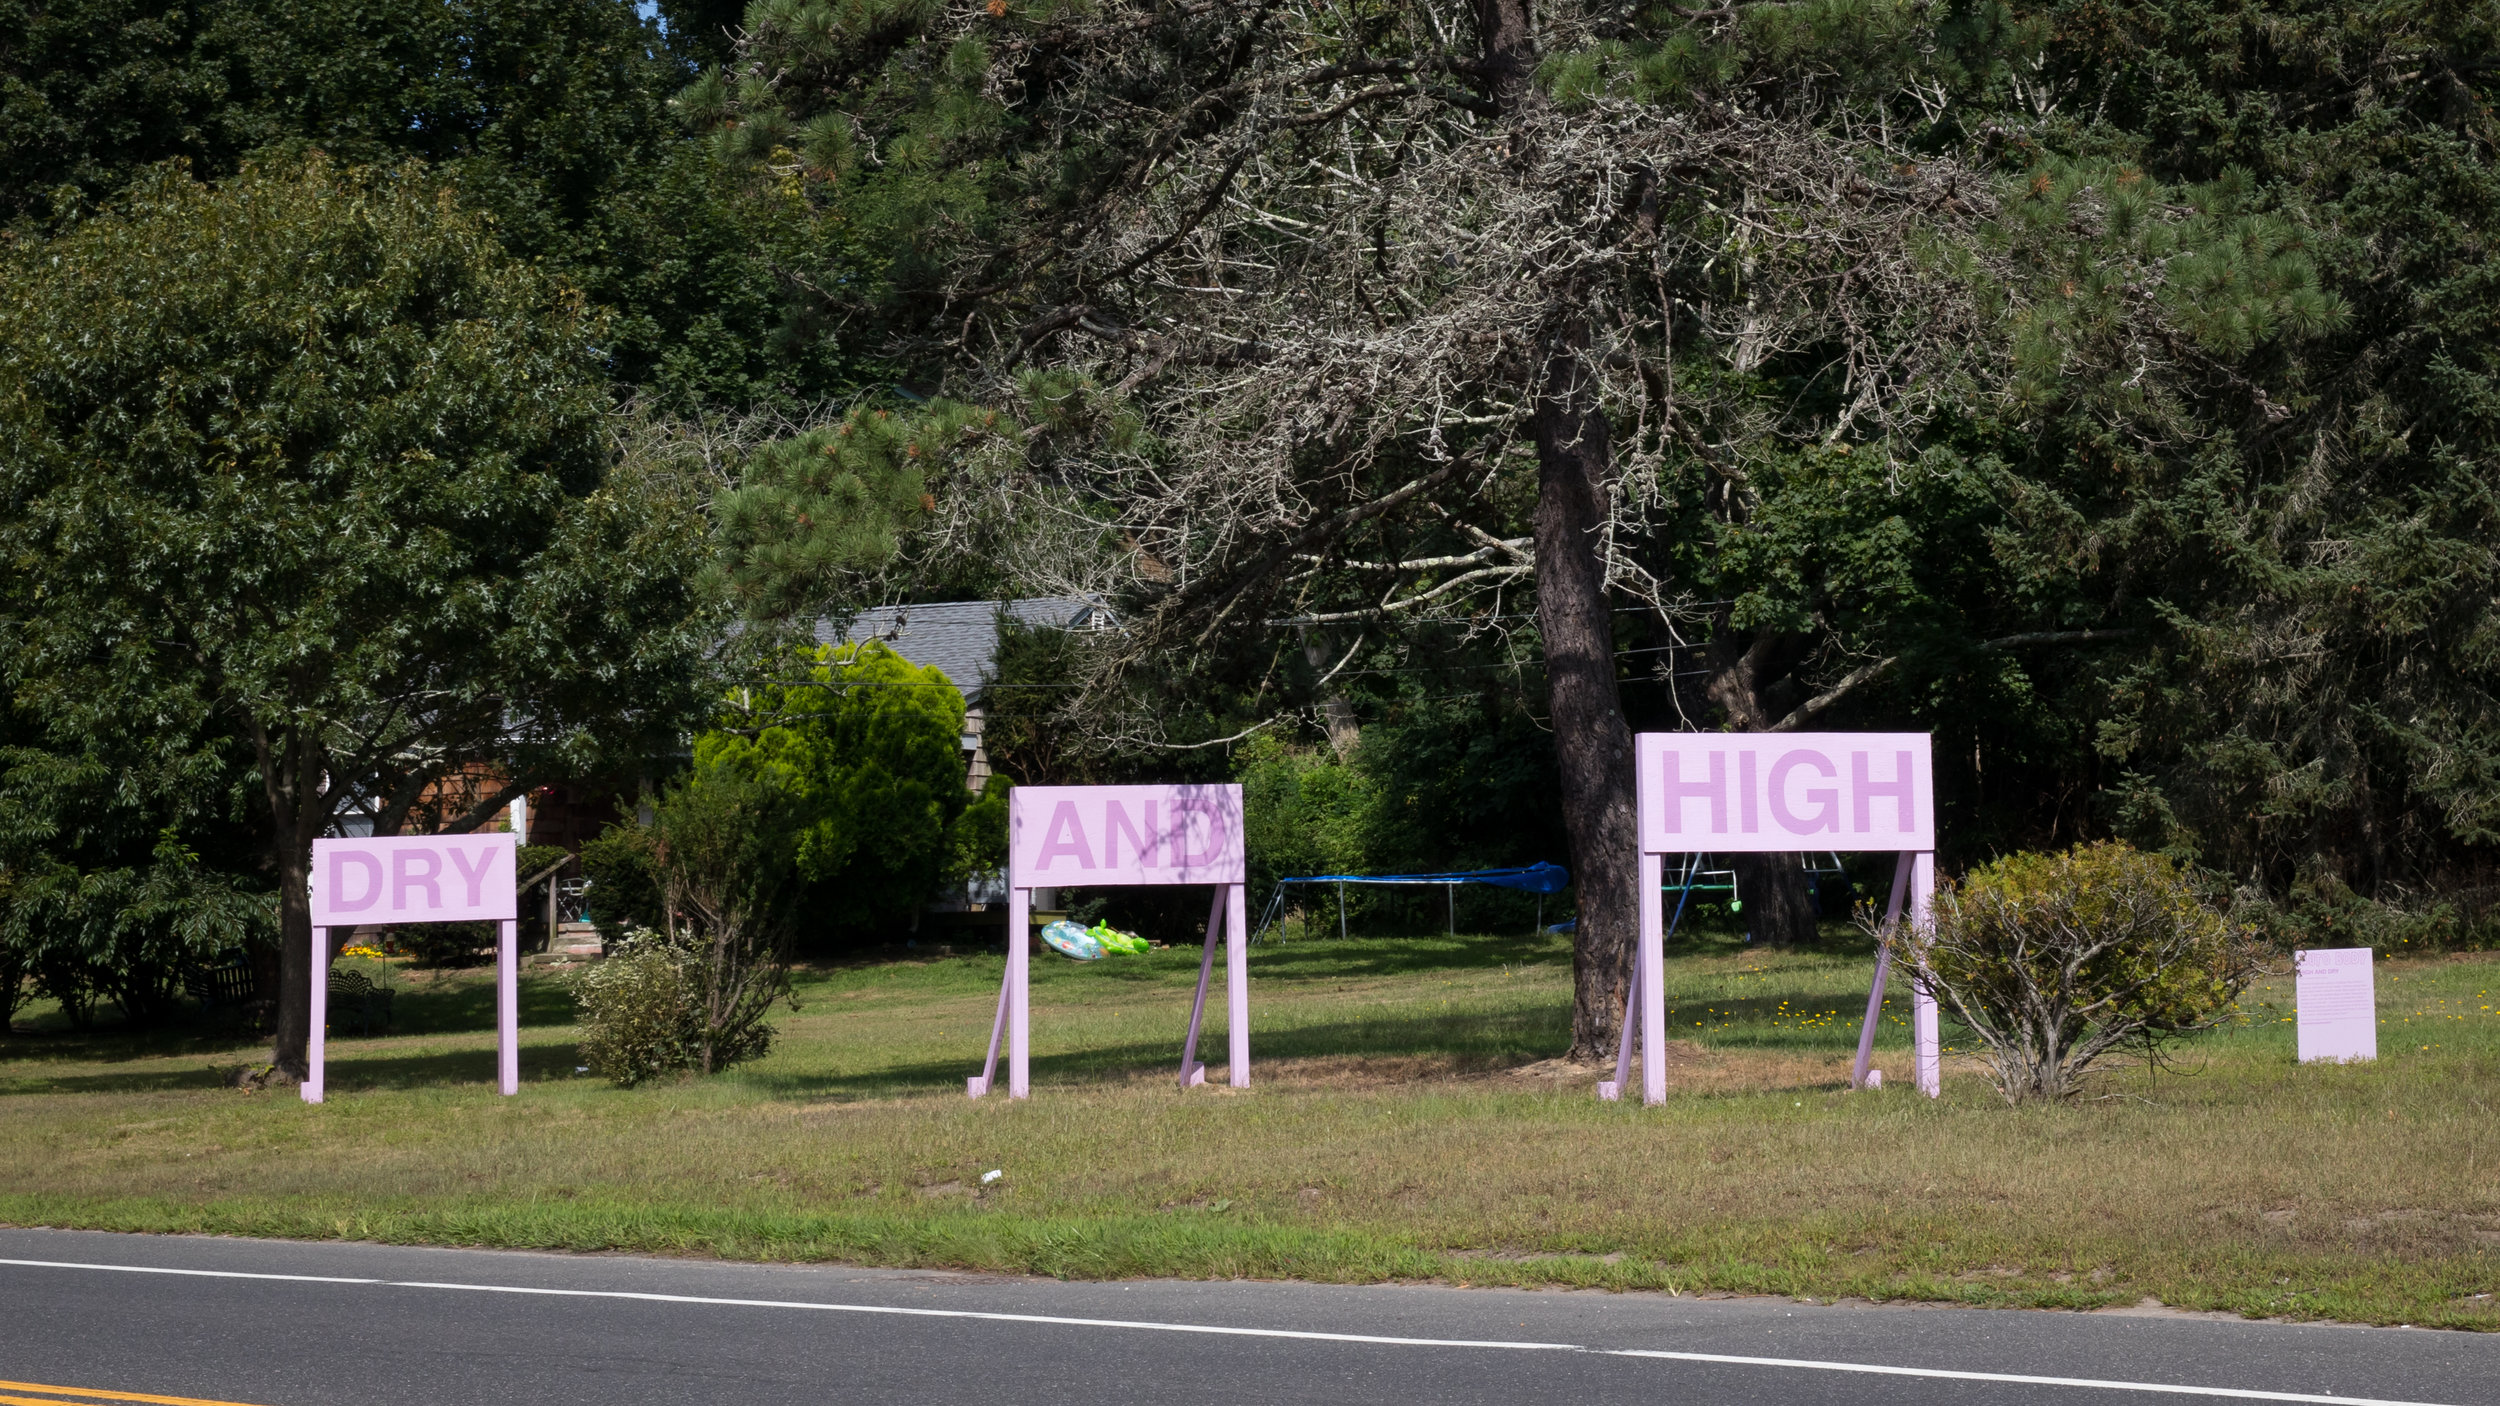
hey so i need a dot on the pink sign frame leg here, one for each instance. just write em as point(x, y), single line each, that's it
point(1645, 1004)
point(315, 1053)
point(1924, 1034)
point(1914, 878)
point(508, 1009)
point(1228, 914)
point(1192, 1072)
point(315, 1087)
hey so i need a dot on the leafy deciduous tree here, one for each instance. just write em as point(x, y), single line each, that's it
point(307, 462)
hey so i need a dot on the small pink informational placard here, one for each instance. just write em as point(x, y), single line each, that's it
point(1752, 792)
point(414, 879)
point(2336, 1003)
point(1076, 836)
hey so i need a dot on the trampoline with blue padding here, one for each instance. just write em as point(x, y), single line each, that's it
point(1539, 878)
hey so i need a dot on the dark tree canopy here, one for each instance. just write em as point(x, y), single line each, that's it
point(549, 116)
point(305, 464)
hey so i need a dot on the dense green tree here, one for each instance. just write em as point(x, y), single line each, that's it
point(2314, 703)
point(549, 116)
point(306, 463)
point(705, 31)
point(126, 857)
point(866, 744)
point(816, 513)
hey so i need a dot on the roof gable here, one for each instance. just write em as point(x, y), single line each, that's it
point(961, 637)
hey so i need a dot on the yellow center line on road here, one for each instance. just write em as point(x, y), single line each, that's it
point(54, 1394)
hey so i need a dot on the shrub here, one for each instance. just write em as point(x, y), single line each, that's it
point(445, 945)
point(720, 858)
point(2057, 962)
point(727, 835)
point(862, 749)
point(977, 840)
point(641, 1010)
point(622, 869)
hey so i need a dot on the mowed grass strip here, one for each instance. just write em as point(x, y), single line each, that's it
point(1406, 1122)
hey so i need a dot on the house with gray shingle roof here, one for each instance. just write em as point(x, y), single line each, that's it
point(961, 637)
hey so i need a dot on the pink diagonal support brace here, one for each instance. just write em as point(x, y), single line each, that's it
point(979, 1084)
point(1011, 1013)
point(1883, 965)
point(1646, 1002)
point(1192, 1072)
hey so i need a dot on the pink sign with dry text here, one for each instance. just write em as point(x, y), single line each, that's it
point(2335, 993)
point(1728, 793)
point(416, 879)
point(1076, 836)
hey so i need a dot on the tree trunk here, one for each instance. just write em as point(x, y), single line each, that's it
point(293, 1026)
point(1779, 903)
point(291, 779)
point(1335, 710)
point(1592, 743)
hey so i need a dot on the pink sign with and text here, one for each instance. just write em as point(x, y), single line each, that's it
point(1745, 792)
point(1076, 836)
point(414, 879)
point(2335, 995)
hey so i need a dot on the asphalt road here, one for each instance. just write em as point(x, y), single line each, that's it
point(98, 1318)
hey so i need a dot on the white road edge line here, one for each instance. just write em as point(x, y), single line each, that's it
point(1865, 1368)
point(193, 1273)
point(1875, 1369)
point(1217, 1329)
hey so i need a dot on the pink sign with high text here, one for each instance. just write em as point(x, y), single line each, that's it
point(414, 879)
point(1074, 836)
point(1744, 792)
point(2335, 995)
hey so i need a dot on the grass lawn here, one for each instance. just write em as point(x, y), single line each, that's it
point(1403, 1124)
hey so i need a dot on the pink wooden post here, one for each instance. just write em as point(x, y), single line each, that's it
point(417, 879)
point(1108, 836)
point(1237, 982)
point(1652, 979)
point(1645, 999)
point(508, 1009)
point(1019, 992)
point(1923, 1031)
point(315, 1055)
